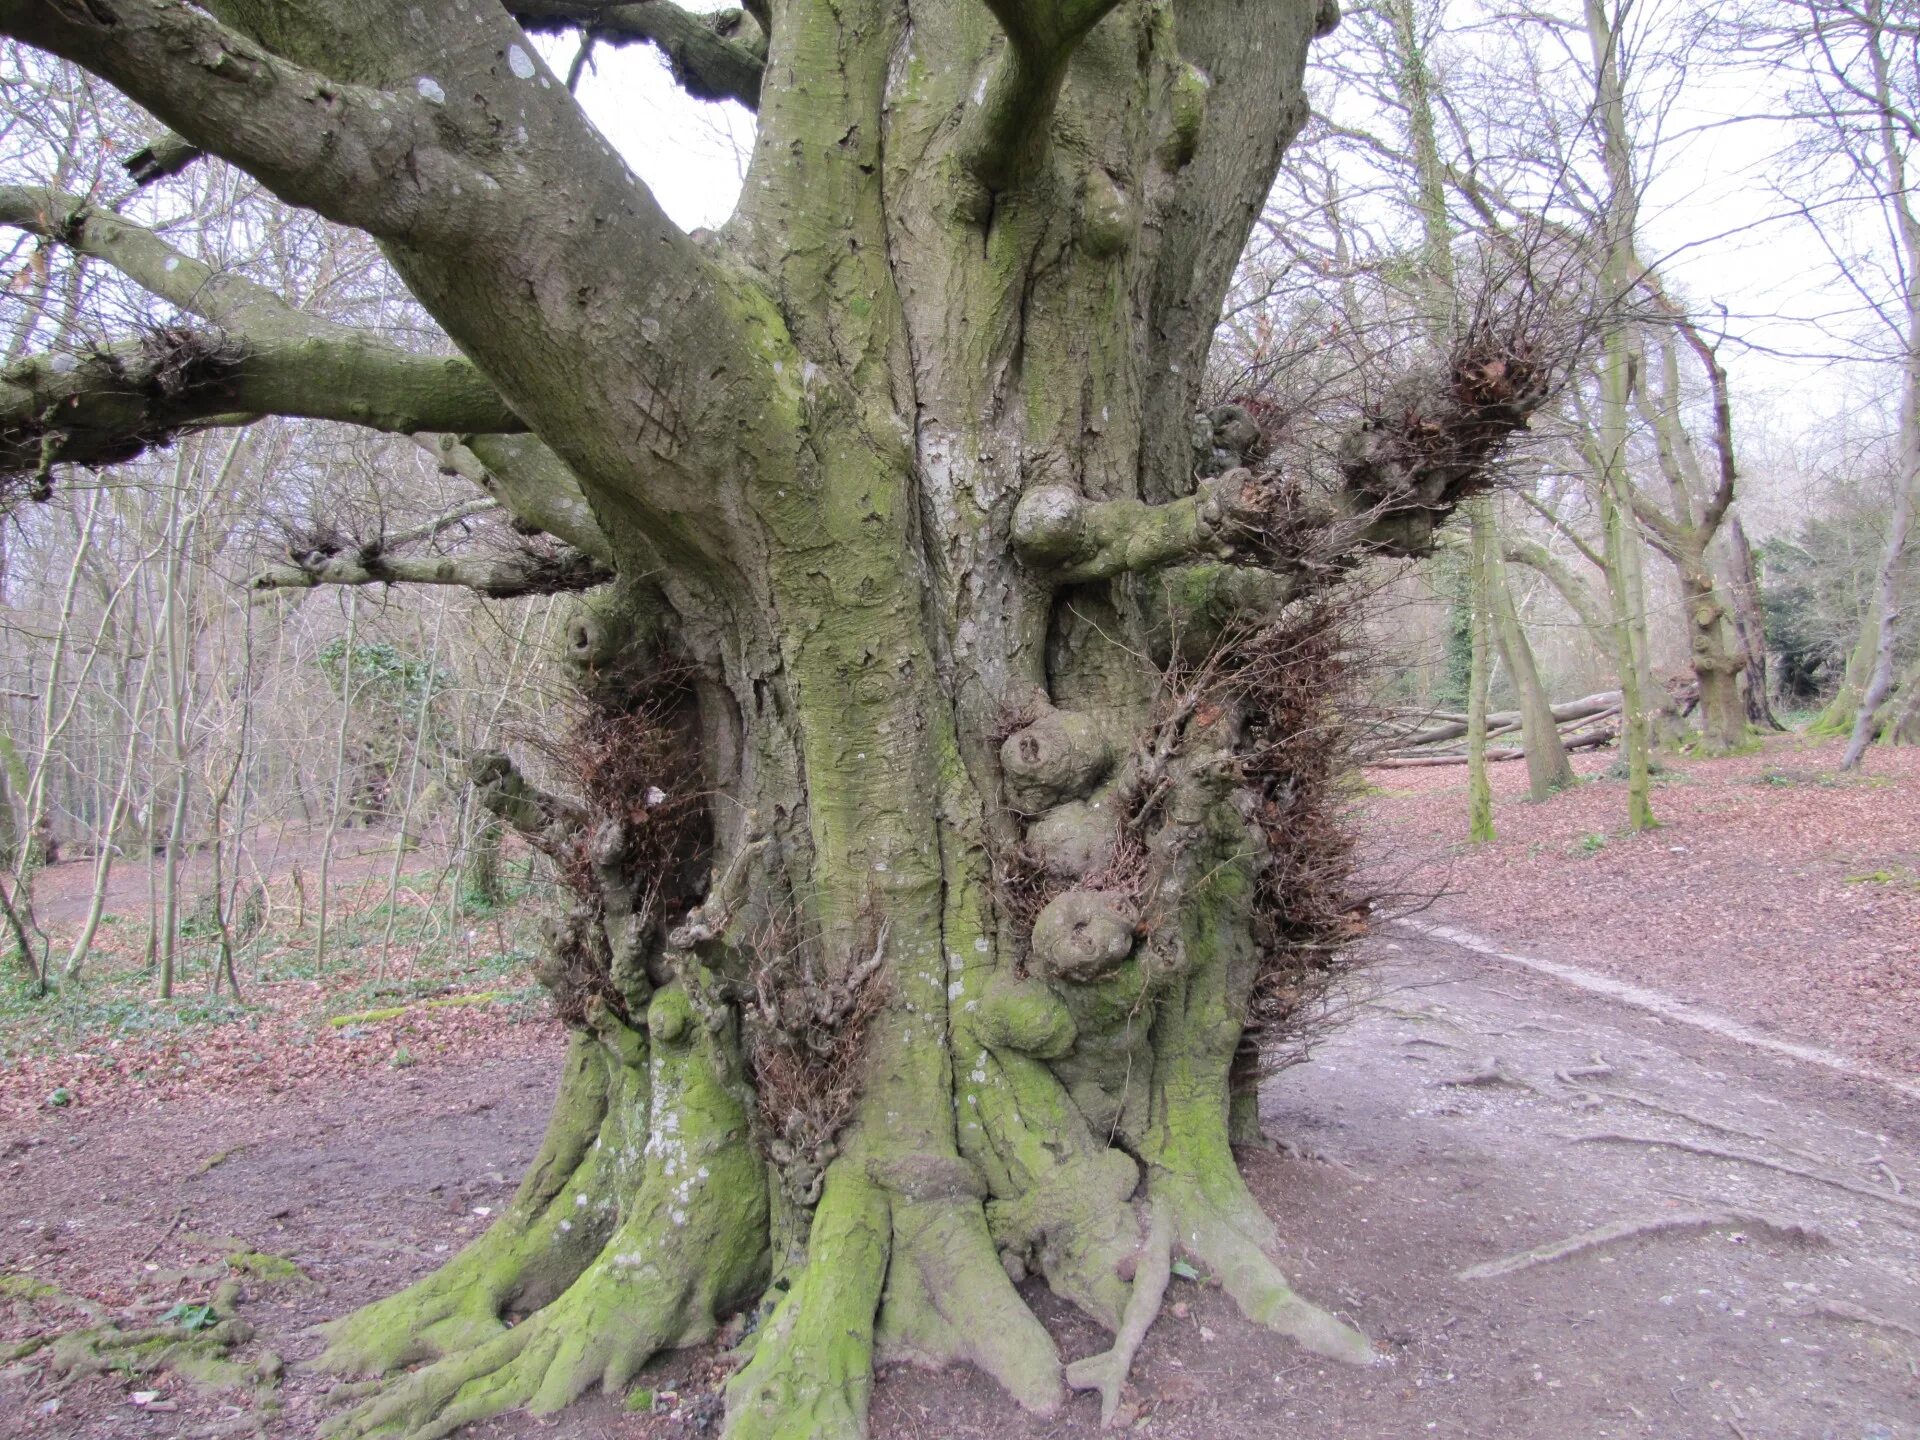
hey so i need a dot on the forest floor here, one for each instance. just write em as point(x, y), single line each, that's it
point(1775, 888)
point(1759, 1280)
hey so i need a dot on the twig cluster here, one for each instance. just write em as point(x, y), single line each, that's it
point(806, 1045)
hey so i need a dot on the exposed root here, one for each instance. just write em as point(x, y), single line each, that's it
point(199, 1356)
point(1855, 1315)
point(1705, 1122)
point(812, 1370)
point(600, 1332)
point(1699, 1222)
point(1220, 1227)
point(1107, 1372)
point(1080, 1229)
point(556, 1224)
point(1493, 1071)
point(1714, 1152)
point(948, 1300)
point(690, 1247)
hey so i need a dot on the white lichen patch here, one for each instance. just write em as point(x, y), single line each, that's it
point(430, 90)
point(520, 62)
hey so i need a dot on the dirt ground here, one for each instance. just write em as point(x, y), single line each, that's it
point(1775, 888)
point(1791, 1309)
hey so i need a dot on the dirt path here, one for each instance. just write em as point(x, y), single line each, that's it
point(1401, 1181)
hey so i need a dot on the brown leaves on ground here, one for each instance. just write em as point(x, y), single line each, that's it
point(1776, 888)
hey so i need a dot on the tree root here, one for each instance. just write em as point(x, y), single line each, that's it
point(1493, 1071)
point(1082, 1229)
point(600, 1332)
point(521, 1261)
point(692, 1248)
point(1698, 1222)
point(948, 1299)
point(811, 1374)
point(1107, 1372)
point(1220, 1227)
point(691, 1244)
point(1850, 1314)
point(1715, 1152)
point(548, 1236)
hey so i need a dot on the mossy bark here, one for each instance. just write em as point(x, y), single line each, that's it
point(978, 260)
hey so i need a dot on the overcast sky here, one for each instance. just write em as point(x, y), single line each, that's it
point(1711, 219)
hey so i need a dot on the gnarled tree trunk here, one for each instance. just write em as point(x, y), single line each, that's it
point(936, 813)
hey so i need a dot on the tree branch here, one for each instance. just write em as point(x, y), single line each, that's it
point(499, 577)
point(265, 357)
point(368, 158)
point(536, 485)
point(1518, 550)
point(109, 405)
point(1427, 445)
point(718, 56)
point(1007, 132)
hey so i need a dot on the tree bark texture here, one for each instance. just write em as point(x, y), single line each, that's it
point(934, 834)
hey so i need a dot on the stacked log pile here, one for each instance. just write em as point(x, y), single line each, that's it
point(1432, 737)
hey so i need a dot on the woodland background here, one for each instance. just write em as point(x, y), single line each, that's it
point(215, 775)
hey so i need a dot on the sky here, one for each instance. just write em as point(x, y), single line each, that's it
point(1712, 219)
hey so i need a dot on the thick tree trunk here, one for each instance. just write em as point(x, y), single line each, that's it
point(1717, 657)
point(953, 805)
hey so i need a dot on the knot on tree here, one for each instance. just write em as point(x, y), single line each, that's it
point(1228, 437)
point(1076, 839)
point(1027, 1018)
point(1081, 936)
point(1059, 756)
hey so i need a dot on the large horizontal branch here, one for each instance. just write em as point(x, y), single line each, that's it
point(1427, 445)
point(109, 405)
point(1007, 131)
point(265, 357)
point(718, 56)
point(500, 577)
point(376, 160)
point(1077, 539)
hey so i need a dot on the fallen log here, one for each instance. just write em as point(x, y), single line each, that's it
point(1587, 707)
point(1404, 760)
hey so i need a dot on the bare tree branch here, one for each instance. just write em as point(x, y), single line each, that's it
point(374, 159)
point(499, 577)
point(1008, 129)
point(718, 56)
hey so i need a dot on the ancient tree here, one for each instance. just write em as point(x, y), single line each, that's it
point(946, 824)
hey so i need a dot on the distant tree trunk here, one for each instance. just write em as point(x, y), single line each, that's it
point(403, 841)
point(1886, 608)
point(480, 880)
point(1743, 583)
point(1480, 591)
point(339, 775)
point(1548, 768)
